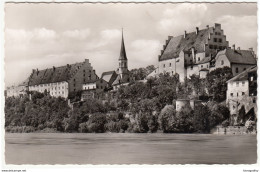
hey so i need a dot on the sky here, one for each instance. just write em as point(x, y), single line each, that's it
point(42, 35)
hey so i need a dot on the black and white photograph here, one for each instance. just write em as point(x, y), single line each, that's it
point(129, 83)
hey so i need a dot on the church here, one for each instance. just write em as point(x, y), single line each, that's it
point(120, 76)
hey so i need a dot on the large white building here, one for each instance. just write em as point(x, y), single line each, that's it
point(184, 54)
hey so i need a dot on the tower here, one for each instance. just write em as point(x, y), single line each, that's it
point(123, 66)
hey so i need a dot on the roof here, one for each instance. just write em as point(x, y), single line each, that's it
point(120, 80)
point(239, 56)
point(109, 76)
point(122, 51)
point(179, 43)
point(55, 74)
point(243, 75)
point(205, 60)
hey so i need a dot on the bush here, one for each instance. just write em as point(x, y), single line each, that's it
point(166, 118)
point(96, 123)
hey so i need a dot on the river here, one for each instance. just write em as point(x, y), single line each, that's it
point(114, 148)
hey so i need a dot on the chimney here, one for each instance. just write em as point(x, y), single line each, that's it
point(234, 46)
point(197, 30)
point(37, 71)
point(238, 48)
point(185, 34)
point(207, 26)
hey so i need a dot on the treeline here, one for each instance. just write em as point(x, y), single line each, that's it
point(139, 107)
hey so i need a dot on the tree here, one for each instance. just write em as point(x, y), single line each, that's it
point(166, 117)
point(216, 83)
point(201, 118)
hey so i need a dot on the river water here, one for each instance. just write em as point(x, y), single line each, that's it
point(114, 148)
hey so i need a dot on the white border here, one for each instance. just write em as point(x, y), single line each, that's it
point(69, 168)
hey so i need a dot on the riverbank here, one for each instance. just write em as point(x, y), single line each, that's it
point(233, 130)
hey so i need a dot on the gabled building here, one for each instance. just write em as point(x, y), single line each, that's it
point(63, 80)
point(183, 54)
point(242, 91)
point(238, 60)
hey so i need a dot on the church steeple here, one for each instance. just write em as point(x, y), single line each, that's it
point(123, 66)
point(122, 51)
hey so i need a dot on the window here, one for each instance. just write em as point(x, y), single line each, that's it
point(74, 85)
point(220, 47)
point(237, 94)
point(243, 83)
point(243, 93)
point(170, 64)
point(219, 40)
point(210, 46)
point(191, 68)
point(101, 87)
point(74, 79)
point(198, 58)
point(254, 101)
point(222, 62)
point(201, 66)
point(215, 39)
point(237, 84)
point(207, 66)
point(234, 107)
point(244, 68)
point(236, 69)
point(84, 70)
point(231, 94)
point(215, 47)
point(164, 65)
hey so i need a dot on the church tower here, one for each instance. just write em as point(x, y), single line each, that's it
point(123, 66)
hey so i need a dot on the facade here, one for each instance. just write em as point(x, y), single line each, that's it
point(238, 92)
point(63, 80)
point(189, 53)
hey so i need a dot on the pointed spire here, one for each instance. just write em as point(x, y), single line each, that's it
point(122, 51)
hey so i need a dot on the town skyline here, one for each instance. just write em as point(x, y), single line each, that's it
point(60, 43)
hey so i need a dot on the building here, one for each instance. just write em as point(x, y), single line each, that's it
point(94, 89)
point(238, 60)
point(121, 76)
point(63, 80)
point(187, 54)
point(242, 91)
point(17, 91)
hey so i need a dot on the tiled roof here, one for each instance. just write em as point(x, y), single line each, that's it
point(179, 43)
point(243, 75)
point(239, 56)
point(55, 74)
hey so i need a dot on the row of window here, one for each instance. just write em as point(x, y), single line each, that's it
point(217, 33)
point(57, 93)
point(45, 85)
point(217, 40)
point(237, 83)
point(170, 64)
point(242, 94)
point(216, 47)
